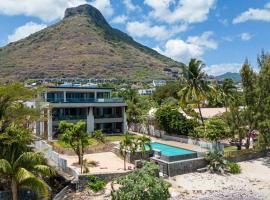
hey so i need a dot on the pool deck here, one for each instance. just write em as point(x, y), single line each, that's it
point(175, 143)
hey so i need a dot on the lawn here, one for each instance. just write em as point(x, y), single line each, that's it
point(230, 148)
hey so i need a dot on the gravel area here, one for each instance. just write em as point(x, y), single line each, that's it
point(252, 184)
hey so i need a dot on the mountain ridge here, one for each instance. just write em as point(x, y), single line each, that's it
point(81, 45)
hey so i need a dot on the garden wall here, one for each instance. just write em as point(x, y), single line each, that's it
point(245, 155)
point(152, 131)
point(50, 154)
point(180, 167)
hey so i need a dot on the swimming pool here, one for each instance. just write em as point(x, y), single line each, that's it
point(168, 150)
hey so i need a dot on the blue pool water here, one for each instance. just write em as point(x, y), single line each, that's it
point(168, 150)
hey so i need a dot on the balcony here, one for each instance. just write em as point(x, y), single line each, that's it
point(82, 100)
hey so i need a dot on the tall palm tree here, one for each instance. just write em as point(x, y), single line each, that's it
point(196, 88)
point(142, 143)
point(25, 171)
point(127, 145)
point(227, 90)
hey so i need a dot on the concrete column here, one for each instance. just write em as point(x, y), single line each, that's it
point(49, 116)
point(65, 96)
point(124, 116)
point(90, 121)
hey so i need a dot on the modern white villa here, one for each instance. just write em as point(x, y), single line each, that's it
point(73, 103)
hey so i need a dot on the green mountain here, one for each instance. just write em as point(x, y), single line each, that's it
point(81, 45)
point(234, 76)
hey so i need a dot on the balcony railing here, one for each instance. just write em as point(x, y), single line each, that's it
point(81, 100)
point(69, 117)
point(108, 116)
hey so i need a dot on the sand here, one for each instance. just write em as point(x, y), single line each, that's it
point(252, 184)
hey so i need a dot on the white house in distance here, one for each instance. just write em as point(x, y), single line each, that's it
point(157, 83)
point(73, 103)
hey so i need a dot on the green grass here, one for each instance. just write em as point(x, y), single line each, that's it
point(230, 148)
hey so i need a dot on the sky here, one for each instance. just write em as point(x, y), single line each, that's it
point(221, 33)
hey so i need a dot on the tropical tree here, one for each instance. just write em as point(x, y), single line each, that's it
point(143, 142)
point(76, 136)
point(195, 88)
point(12, 105)
point(227, 89)
point(24, 171)
point(18, 165)
point(127, 145)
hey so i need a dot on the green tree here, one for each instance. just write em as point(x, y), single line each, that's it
point(18, 165)
point(172, 121)
point(24, 171)
point(164, 92)
point(127, 145)
point(227, 90)
point(143, 142)
point(12, 107)
point(76, 136)
point(142, 184)
point(195, 88)
point(250, 99)
point(214, 130)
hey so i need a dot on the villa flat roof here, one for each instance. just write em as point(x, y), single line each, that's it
point(78, 87)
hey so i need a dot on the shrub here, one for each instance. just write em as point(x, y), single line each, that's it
point(142, 184)
point(217, 162)
point(95, 183)
point(99, 136)
point(234, 168)
point(173, 122)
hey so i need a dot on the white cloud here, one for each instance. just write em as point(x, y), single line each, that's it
point(194, 47)
point(121, 19)
point(104, 6)
point(219, 69)
point(254, 15)
point(25, 30)
point(47, 10)
point(246, 36)
point(185, 10)
point(203, 41)
point(158, 32)
point(130, 6)
point(144, 29)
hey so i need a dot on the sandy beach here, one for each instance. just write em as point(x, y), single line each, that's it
point(253, 183)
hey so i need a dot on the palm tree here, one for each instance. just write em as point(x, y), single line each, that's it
point(142, 143)
point(196, 88)
point(25, 171)
point(127, 145)
point(227, 90)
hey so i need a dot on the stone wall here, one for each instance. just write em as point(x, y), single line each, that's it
point(23, 194)
point(82, 179)
point(180, 167)
point(247, 157)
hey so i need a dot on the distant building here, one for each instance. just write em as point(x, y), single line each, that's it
point(145, 92)
point(157, 83)
point(73, 103)
point(210, 112)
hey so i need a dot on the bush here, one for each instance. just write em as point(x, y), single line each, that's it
point(95, 183)
point(99, 136)
point(142, 184)
point(234, 168)
point(217, 162)
point(173, 122)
